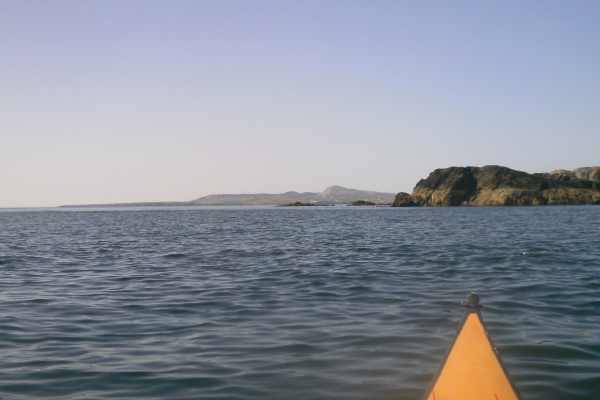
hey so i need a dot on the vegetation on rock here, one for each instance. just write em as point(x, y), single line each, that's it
point(494, 185)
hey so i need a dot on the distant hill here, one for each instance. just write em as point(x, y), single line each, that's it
point(331, 195)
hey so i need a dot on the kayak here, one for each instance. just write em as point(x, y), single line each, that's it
point(472, 369)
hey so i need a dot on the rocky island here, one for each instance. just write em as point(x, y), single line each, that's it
point(301, 204)
point(360, 203)
point(494, 185)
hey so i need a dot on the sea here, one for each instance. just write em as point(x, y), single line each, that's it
point(261, 302)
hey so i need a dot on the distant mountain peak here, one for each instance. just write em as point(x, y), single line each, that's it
point(330, 190)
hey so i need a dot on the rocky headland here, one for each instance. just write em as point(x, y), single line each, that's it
point(494, 185)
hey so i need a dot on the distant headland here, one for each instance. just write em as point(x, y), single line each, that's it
point(494, 185)
point(331, 195)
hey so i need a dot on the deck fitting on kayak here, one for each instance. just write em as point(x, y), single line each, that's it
point(472, 301)
point(473, 298)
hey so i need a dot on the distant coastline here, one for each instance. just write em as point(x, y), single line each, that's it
point(331, 195)
point(491, 185)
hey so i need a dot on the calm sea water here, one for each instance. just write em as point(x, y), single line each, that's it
point(291, 303)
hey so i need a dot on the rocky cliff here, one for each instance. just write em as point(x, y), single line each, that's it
point(494, 185)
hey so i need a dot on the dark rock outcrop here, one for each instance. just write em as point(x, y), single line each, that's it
point(362, 203)
point(494, 185)
point(403, 199)
point(299, 204)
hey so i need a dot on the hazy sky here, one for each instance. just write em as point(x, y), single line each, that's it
point(124, 101)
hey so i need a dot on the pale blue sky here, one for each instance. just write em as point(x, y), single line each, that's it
point(125, 101)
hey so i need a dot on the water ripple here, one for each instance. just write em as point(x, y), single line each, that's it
point(270, 303)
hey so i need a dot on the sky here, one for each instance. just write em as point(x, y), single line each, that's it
point(106, 101)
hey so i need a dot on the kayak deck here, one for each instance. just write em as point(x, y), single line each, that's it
point(472, 369)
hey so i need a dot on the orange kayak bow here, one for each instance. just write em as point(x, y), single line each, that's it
point(472, 369)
